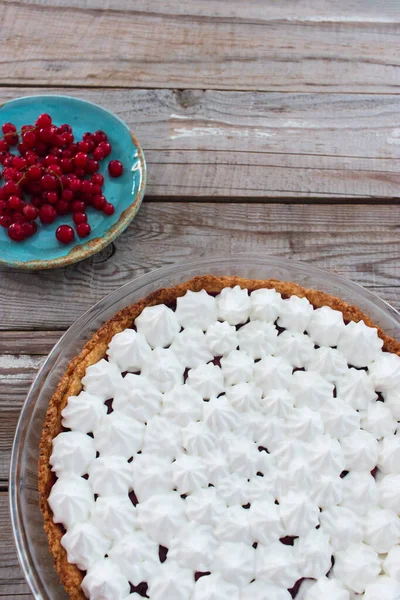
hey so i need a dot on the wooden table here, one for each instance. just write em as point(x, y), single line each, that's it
point(269, 127)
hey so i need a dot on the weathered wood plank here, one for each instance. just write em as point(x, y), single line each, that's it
point(203, 144)
point(220, 46)
point(361, 242)
point(293, 10)
point(12, 582)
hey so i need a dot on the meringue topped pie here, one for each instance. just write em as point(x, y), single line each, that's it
point(227, 439)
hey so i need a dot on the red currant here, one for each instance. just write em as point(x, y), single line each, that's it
point(52, 197)
point(79, 217)
point(65, 234)
point(3, 146)
point(48, 182)
point(47, 213)
point(14, 202)
point(5, 221)
point(8, 128)
point(75, 184)
point(67, 195)
point(19, 163)
point(78, 206)
point(30, 212)
point(29, 139)
point(98, 202)
point(11, 188)
point(67, 165)
point(16, 232)
point(83, 229)
point(92, 166)
point(106, 148)
point(98, 153)
point(62, 207)
point(108, 209)
point(99, 136)
point(115, 168)
point(29, 228)
point(87, 187)
point(81, 159)
point(43, 120)
point(97, 179)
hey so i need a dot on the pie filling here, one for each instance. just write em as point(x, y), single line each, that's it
point(237, 447)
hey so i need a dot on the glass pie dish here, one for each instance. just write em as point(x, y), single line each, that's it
point(27, 520)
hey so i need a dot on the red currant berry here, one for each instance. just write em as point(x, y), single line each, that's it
point(30, 212)
point(51, 197)
point(29, 228)
point(67, 195)
point(31, 158)
point(67, 138)
point(79, 217)
point(79, 172)
point(17, 217)
point(66, 154)
point(99, 136)
point(3, 157)
point(83, 229)
point(65, 234)
point(80, 159)
point(48, 182)
point(56, 170)
point(41, 149)
point(8, 128)
point(16, 232)
point(66, 128)
point(62, 207)
point(97, 179)
point(8, 161)
point(58, 140)
point(3, 146)
point(96, 190)
point(78, 206)
point(19, 163)
point(36, 201)
point(29, 139)
point(5, 221)
point(11, 188)
point(10, 174)
point(64, 181)
point(98, 153)
point(83, 147)
point(46, 135)
point(50, 159)
point(47, 213)
point(14, 203)
point(3, 206)
point(67, 165)
point(92, 166)
point(115, 168)
point(108, 209)
point(106, 148)
point(87, 187)
point(54, 151)
point(75, 184)
point(43, 120)
point(98, 202)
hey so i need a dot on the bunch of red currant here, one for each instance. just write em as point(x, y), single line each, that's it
point(52, 174)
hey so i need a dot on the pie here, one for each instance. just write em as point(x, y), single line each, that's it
point(227, 439)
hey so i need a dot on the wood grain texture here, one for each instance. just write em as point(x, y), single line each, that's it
point(256, 145)
point(221, 45)
point(12, 582)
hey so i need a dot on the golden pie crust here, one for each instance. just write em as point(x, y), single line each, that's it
point(95, 349)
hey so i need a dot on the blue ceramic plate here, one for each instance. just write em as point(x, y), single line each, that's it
point(42, 250)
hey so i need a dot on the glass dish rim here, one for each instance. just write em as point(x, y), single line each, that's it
point(245, 260)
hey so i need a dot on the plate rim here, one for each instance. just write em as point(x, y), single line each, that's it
point(84, 250)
